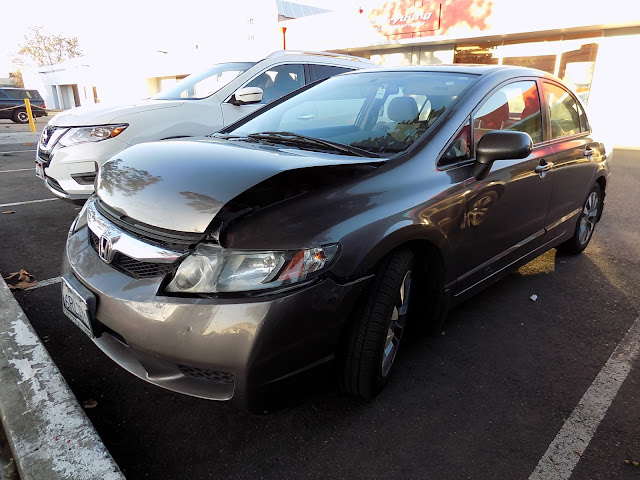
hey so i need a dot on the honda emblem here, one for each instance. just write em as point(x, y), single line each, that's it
point(105, 249)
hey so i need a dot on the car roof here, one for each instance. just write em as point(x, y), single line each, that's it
point(473, 69)
point(310, 55)
point(19, 89)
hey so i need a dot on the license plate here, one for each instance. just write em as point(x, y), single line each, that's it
point(76, 307)
point(39, 170)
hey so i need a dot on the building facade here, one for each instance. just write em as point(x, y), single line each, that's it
point(586, 43)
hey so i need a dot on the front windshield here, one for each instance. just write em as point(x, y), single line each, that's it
point(380, 112)
point(203, 84)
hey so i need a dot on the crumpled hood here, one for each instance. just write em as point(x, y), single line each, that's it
point(182, 185)
point(104, 114)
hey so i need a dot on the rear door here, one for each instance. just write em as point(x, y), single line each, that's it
point(575, 158)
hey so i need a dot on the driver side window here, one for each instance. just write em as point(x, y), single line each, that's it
point(514, 107)
point(278, 81)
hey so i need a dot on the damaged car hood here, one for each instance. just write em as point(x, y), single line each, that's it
point(182, 185)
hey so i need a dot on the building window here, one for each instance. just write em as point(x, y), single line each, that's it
point(569, 57)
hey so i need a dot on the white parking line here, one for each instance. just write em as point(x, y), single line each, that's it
point(25, 203)
point(45, 283)
point(17, 170)
point(572, 440)
point(18, 151)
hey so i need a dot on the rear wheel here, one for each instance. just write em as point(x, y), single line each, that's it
point(375, 337)
point(20, 116)
point(587, 220)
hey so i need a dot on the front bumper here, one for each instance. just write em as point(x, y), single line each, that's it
point(215, 348)
point(70, 171)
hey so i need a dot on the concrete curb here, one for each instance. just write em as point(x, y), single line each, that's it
point(50, 435)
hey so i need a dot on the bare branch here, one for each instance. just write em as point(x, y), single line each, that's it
point(43, 48)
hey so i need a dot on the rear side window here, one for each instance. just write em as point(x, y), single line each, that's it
point(21, 94)
point(564, 112)
point(318, 72)
point(3, 95)
point(514, 107)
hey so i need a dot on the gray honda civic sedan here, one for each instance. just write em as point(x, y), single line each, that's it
point(317, 228)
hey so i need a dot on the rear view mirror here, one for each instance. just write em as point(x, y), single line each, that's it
point(500, 145)
point(246, 96)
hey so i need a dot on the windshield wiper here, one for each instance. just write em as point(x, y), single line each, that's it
point(291, 138)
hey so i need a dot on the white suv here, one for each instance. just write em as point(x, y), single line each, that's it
point(76, 142)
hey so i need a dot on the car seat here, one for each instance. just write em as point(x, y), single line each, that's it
point(403, 111)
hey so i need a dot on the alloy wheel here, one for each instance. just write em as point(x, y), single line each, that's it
point(397, 324)
point(589, 218)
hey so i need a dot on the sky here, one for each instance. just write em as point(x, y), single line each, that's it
point(104, 28)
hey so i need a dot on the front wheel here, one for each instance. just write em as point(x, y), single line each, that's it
point(587, 220)
point(375, 337)
point(20, 116)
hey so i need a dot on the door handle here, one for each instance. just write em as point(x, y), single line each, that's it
point(543, 167)
point(306, 117)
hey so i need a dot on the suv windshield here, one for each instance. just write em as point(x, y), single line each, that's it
point(379, 112)
point(203, 84)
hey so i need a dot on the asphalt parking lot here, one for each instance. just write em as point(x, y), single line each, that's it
point(484, 400)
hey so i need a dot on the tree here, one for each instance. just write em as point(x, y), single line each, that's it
point(17, 78)
point(43, 48)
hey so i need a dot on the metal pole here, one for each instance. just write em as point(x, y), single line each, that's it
point(27, 104)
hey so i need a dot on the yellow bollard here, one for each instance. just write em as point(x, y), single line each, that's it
point(27, 104)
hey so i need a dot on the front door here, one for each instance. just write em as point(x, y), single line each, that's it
point(276, 82)
point(505, 212)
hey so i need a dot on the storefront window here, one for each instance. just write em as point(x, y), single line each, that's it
point(570, 57)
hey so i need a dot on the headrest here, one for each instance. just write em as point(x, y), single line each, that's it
point(402, 109)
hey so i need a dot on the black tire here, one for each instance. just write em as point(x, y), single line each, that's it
point(375, 335)
point(20, 116)
point(589, 216)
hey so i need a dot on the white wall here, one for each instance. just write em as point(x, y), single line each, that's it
point(613, 101)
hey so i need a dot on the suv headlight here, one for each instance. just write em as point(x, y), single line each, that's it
point(213, 269)
point(74, 136)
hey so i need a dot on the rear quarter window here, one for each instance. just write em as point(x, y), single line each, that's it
point(318, 72)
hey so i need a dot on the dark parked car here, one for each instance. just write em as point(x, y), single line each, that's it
point(315, 229)
point(12, 104)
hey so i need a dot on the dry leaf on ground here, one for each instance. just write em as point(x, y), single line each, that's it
point(91, 403)
point(20, 280)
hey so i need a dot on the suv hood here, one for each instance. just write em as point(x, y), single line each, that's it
point(182, 185)
point(104, 114)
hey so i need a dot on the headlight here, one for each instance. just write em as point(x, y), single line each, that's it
point(213, 269)
point(75, 136)
point(81, 220)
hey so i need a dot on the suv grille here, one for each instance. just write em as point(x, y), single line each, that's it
point(208, 375)
point(55, 185)
point(132, 267)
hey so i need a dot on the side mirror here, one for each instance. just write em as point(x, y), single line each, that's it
point(246, 96)
point(500, 145)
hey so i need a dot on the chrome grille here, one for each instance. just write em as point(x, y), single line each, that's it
point(180, 241)
point(132, 267)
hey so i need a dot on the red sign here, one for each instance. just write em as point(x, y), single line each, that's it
point(404, 17)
